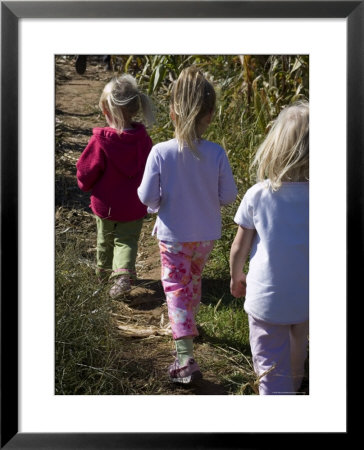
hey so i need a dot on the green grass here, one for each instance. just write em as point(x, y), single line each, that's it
point(226, 326)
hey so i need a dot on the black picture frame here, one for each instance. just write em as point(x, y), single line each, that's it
point(11, 12)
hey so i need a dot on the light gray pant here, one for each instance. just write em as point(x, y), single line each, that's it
point(283, 347)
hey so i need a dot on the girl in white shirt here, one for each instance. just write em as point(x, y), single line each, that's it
point(273, 220)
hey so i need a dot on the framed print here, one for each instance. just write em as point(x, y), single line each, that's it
point(31, 415)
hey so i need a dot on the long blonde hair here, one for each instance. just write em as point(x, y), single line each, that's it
point(284, 154)
point(193, 97)
point(121, 97)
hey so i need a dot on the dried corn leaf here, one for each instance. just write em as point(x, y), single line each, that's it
point(139, 331)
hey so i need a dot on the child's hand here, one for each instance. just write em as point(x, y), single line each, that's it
point(238, 286)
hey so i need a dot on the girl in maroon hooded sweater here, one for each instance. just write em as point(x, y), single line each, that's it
point(111, 167)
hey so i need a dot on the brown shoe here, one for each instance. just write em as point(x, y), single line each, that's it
point(121, 287)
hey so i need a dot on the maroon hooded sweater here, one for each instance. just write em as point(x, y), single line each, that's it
point(112, 167)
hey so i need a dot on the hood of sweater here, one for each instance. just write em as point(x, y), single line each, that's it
point(128, 150)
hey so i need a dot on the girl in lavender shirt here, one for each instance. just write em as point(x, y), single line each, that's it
point(273, 221)
point(187, 180)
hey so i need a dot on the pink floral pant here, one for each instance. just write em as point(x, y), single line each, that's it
point(182, 265)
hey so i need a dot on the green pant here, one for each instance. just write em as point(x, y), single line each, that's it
point(117, 245)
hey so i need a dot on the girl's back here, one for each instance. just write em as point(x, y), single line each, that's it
point(112, 165)
point(277, 282)
point(190, 191)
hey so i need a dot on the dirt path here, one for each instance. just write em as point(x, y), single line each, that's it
point(143, 321)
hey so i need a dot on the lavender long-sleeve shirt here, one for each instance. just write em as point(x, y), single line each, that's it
point(187, 192)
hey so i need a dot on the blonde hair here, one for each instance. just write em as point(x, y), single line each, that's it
point(121, 97)
point(284, 154)
point(193, 97)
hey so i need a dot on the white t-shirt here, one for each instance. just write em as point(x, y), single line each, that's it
point(278, 278)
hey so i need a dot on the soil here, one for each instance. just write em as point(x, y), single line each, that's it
point(145, 310)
